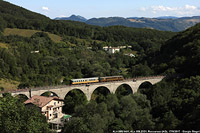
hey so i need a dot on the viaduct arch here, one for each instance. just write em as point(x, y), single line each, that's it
point(88, 90)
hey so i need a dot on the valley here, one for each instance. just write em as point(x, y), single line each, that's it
point(101, 90)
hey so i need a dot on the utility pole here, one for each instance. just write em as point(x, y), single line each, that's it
point(30, 93)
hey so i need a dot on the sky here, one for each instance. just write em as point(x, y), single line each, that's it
point(111, 8)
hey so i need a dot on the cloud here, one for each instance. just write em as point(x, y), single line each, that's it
point(163, 8)
point(45, 8)
point(188, 7)
point(187, 10)
point(143, 9)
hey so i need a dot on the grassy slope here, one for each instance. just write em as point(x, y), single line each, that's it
point(8, 84)
point(3, 45)
point(29, 33)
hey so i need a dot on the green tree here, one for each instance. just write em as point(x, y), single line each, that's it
point(15, 117)
point(123, 90)
point(136, 113)
point(141, 70)
point(1, 88)
point(99, 94)
point(76, 125)
point(72, 100)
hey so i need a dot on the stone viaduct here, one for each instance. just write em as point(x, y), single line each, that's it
point(61, 91)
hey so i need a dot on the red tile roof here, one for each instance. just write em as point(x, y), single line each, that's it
point(41, 101)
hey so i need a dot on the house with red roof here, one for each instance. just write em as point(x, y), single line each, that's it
point(51, 107)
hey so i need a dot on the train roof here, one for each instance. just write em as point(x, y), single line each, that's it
point(85, 78)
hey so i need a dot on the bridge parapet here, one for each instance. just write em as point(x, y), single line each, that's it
point(150, 77)
point(145, 78)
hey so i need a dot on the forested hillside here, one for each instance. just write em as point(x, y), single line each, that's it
point(69, 58)
point(181, 53)
point(172, 104)
point(181, 93)
point(37, 60)
point(16, 17)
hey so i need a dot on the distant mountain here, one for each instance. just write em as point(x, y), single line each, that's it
point(108, 21)
point(165, 23)
point(167, 17)
point(73, 18)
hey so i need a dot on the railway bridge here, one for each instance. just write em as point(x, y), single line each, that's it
point(88, 89)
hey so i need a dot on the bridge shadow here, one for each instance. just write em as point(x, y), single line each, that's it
point(73, 99)
point(123, 90)
point(49, 94)
point(100, 94)
point(21, 97)
point(145, 88)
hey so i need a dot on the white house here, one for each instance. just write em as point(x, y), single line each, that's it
point(113, 50)
point(51, 107)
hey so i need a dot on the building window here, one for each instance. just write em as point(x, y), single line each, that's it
point(54, 103)
point(58, 101)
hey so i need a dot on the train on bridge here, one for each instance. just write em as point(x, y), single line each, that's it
point(96, 80)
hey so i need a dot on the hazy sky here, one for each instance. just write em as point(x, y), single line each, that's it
point(111, 8)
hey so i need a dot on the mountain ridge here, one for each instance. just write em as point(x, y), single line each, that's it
point(163, 23)
point(73, 18)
